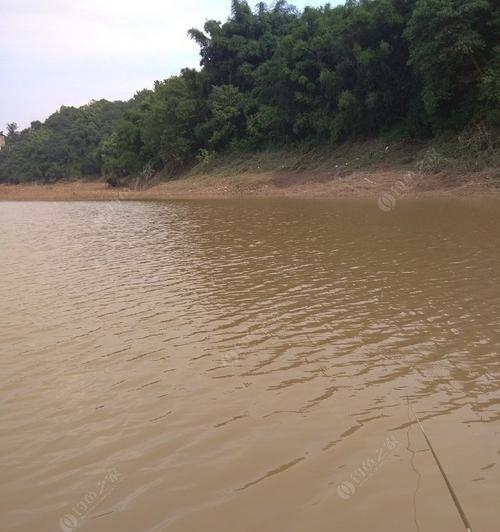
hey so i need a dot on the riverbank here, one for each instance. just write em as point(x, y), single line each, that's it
point(385, 183)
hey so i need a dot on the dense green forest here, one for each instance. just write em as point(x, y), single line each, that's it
point(276, 76)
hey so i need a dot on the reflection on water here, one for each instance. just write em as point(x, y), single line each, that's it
point(247, 365)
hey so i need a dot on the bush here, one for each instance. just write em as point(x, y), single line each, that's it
point(432, 162)
point(205, 158)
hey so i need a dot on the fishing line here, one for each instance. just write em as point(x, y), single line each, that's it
point(465, 521)
point(460, 510)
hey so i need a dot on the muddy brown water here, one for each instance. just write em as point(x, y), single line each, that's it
point(247, 365)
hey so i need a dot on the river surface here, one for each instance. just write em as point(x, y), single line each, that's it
point(254, 365)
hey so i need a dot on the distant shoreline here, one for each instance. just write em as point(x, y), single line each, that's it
point(389, 185)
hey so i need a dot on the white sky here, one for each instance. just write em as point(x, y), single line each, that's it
point(56, 52)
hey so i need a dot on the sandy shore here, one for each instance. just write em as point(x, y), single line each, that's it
point(388, 185)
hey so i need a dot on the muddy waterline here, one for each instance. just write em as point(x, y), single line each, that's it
point(243, 365)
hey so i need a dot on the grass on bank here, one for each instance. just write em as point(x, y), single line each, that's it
point(473, 150)
point(450, 157)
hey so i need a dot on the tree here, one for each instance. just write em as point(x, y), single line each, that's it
point(12, 129)
point(451, 64)
point(275, 75)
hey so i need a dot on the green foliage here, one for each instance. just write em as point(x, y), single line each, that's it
point(452, 49)
point(12, 129)
point(432, 161)
point(67, 144)
point(226, 105)
point(204, 158)
point(273, 76)
point(169, 125)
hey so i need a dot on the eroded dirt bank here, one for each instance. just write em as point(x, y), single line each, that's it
point(385, 183)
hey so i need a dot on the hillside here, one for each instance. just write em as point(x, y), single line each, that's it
point(273, 78)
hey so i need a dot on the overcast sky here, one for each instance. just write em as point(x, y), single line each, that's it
point(69, 52)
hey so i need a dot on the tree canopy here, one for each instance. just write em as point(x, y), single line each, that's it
point(274, 75)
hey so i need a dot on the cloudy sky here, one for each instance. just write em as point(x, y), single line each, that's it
point(68, 52)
